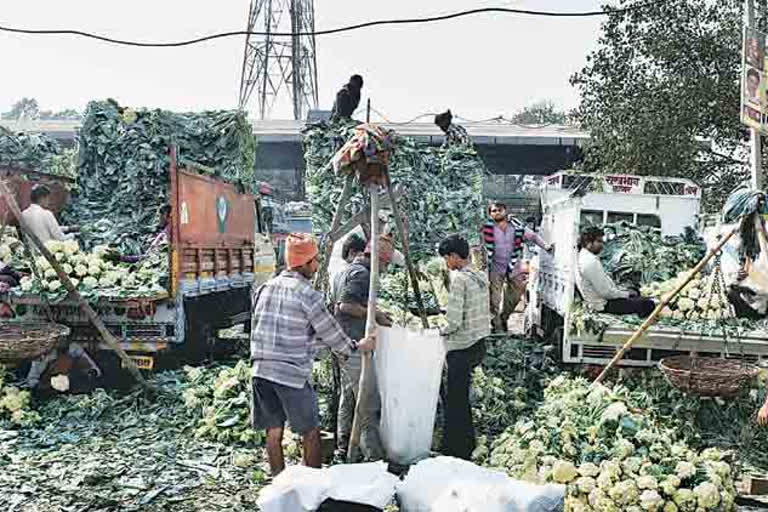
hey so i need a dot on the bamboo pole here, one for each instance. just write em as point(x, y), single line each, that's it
point(408, 262)
point(322, 274)
point(665, 300)
point(84, 306)
point(364, 387)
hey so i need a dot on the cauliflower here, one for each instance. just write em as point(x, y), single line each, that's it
point(90, 282)
point(586, 484)
point(563, 472)
point(50, 273)
point(27, 283)
point(67, 268)
point(106, 282)
point(614, 411)
point(678, 315)
point(685, 499)
point(611, 468)
point(669, 507)
point(670, 485)
point(70, 247)
point(722, 469)
point(712, 454)
point(623, 449)
point(707, 495)
point(75, 282)
point(576, 505)
point(703, 303)
point(666, 312)
point(693, 315)
point(42, 263)
point(60, 383)
point(5, 251)
point(589, 469)
point(94, 270)
point(54, 285)
point(647, 482)
point(651, 501)
point(685, 470)
point(685, 304)
point(54, 246)
point(81, 270)
point(694, 293)
point(632, 465)
point(604, 481)
point(624, 493)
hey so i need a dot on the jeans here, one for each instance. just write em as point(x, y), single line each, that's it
point(458, 430)
point(370, 442)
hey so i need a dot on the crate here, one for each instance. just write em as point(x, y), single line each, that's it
point(657, 344)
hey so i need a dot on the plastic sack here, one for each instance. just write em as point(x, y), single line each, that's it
point(303, 489)
point(409, 366)
point(447, 484)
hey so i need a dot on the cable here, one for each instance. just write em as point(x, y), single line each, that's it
point(405, 21)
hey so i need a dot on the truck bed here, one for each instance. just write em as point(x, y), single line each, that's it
point(660, 342)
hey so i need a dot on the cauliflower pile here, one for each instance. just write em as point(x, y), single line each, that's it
point(11, 248)
point(94, 276)
point(695, 302)
point(611, 456)
point(15, 405)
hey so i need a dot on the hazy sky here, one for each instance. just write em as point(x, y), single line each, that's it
point(480, 67)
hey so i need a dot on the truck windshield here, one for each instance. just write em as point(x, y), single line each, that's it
point(299, 225)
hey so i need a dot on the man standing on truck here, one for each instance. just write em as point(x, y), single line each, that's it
point(352, 314)
point(504, 241)
point(348, 98)
point(40, 219)
point(289, 315)
point(455, 135)
point(597, 288)
point(467, 316)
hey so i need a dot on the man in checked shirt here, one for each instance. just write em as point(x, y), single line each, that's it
point(288, 315)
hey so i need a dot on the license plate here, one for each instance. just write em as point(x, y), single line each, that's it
point(142, 362)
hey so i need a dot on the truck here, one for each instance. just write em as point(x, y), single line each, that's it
point(218, 250)
point(569, 200)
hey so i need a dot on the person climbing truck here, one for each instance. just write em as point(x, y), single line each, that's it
point(348, 98)
point(288, 317)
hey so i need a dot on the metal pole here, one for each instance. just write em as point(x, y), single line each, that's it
point(368, 113)
point(754, 134)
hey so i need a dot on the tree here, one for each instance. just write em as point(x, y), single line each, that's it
point(660, 94)
point(542, 112)
point(25, 107)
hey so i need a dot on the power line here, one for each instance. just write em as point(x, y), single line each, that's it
point(349, 28)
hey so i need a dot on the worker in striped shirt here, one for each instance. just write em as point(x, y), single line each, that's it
point(289, 315)
point(468, 316)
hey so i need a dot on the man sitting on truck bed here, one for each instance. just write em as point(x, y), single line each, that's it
point(40, 219)
point(597, 288)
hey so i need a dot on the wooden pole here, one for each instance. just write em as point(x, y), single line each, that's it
point(407, 255)
point(84, 306)
point(328, 245)
point(754, 134)
point(364, 387)
point(665, 300)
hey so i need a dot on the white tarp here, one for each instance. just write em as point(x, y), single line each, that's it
point(447, 484)
point(303, 489)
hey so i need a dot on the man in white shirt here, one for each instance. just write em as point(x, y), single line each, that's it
point(41, 220)
point(597, 288)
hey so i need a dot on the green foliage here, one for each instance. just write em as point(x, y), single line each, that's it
point(37, 153)
point(124, 160)
point(443, 186)
point(542, 112)
point(664, 78)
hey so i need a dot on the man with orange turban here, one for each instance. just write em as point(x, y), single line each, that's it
point(288, 316)
point(352, 313)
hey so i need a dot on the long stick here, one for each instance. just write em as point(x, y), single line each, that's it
point(84, 306)
point(407, 255)
point(328, 246)
point(364, 388)
point(665, 300)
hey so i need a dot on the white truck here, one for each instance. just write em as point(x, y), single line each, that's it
point(569, 199)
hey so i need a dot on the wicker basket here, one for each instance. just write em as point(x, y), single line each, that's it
point(25, 341)
point(707, 376)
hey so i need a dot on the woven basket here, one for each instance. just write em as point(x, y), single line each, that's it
point(708, 376)
point(25, 341)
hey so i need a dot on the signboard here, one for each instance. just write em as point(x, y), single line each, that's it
point(754, 107)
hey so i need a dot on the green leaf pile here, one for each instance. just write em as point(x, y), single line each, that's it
point(639, 255)
point(123, 168)
point(37, 152)
point(443, 185)
point(613, 454)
